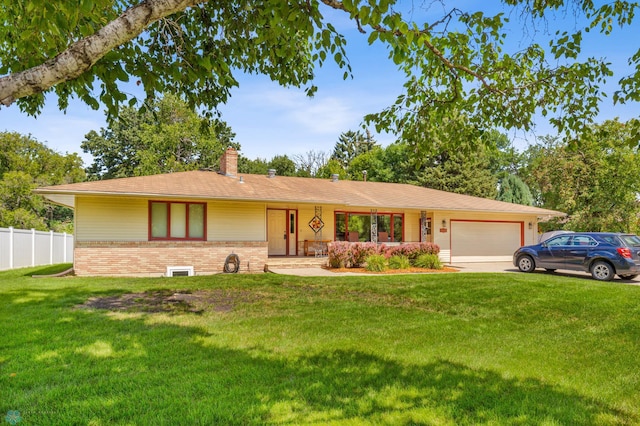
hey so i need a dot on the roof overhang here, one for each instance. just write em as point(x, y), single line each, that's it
point(66, 200)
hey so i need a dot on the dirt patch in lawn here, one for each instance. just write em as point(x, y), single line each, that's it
point(172, 301)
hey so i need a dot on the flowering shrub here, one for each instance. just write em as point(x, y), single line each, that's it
point(358, 253)
point(412, 250)
point(338, 252)
point(343, 254)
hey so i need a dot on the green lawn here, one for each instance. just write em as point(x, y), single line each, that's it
point(440, 349)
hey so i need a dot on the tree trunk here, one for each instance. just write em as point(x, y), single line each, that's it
point(81, 56)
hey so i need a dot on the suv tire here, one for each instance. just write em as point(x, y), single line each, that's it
point(602, 271)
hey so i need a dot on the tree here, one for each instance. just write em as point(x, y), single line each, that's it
point(309, 164)
point(514, 190)
point(374, 164)
point(457, 60)
point(332, 167)
point(24, 165)
point(455, 171)
point(390, 164)
point(258, 166)
point(167, 136)
point(504, 159)
point(283, 165)
point(351, 144)
point(593, 180)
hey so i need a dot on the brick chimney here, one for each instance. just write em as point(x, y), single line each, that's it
point(229, 163)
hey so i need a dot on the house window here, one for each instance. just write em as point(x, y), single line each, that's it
point(170, 220)
point(357, 227)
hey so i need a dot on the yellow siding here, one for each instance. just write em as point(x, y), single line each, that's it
point(228, 221)
point(412, 226)
point(306, 213)
point(126, 219)
point(111, 219)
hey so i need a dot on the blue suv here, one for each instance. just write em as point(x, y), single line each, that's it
point(603, 254)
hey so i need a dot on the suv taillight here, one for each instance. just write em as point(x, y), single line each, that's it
point(624, 252)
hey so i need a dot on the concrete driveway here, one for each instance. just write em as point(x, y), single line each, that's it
point(485, 267)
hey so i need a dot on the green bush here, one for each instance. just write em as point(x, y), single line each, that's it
point(376, 263)
point(399, 262)
point(429, 261)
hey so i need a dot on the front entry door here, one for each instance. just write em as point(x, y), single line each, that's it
point(277, 232)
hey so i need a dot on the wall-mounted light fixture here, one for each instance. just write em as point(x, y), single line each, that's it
point(444, 223)
point(530, 225)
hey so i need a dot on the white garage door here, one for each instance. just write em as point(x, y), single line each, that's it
point(484, 241)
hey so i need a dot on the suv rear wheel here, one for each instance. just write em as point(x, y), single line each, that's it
point(602, 271)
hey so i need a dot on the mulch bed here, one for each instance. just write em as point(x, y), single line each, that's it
point(393, 271)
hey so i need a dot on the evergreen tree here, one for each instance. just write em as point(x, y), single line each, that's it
point(460, 173)
point(514, 190)
point(351, 144)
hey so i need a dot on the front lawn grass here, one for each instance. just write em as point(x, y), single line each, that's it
point(445, 349)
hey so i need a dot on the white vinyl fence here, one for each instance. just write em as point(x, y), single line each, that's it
point(21, 247)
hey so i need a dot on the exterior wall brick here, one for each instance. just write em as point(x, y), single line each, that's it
point(151, 258)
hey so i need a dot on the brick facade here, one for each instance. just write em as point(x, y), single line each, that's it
point(151, 258)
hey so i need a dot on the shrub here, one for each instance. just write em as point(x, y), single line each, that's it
point(376, 263)
point(429, 261)
point(399, 262)
point(338, 252)
point(358, 253)
point(412, 250)
point(427, 248)
point(343, 254)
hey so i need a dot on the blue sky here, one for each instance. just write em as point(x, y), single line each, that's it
point(269, 120)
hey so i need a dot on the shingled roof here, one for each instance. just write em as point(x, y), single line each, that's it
point(207, 185)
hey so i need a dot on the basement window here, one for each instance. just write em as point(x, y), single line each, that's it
point(180, 271)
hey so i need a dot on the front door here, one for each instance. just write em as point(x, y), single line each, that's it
point(277, 232)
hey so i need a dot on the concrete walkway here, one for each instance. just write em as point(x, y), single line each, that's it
point(462, 267)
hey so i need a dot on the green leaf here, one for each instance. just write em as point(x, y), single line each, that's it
point(86, 6)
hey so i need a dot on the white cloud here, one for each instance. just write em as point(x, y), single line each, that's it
point(321, 114)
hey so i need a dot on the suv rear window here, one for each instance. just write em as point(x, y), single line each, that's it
point(630, 240)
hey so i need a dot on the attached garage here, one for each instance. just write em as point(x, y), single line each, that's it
point(482, 241)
